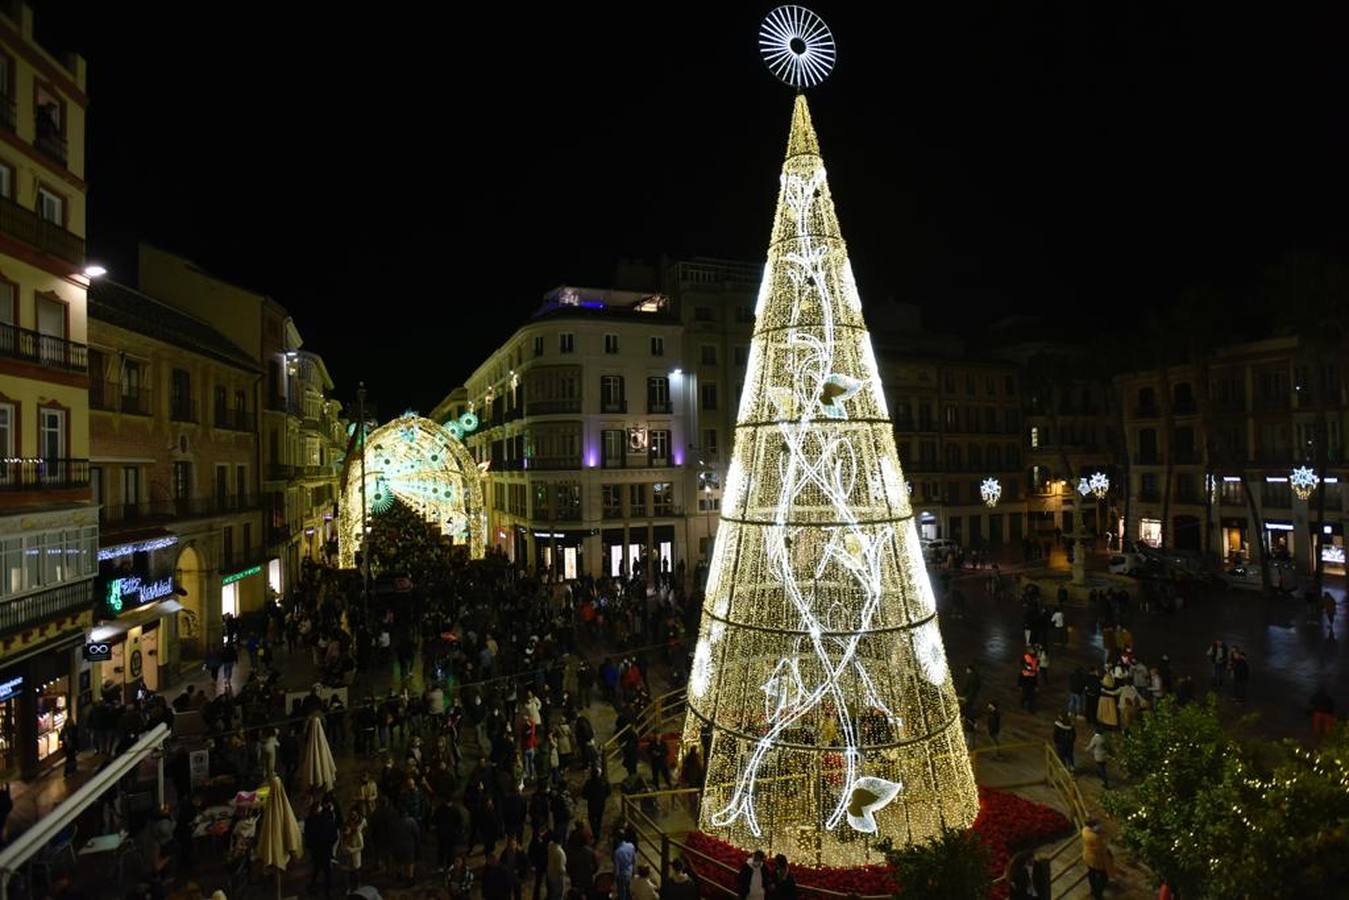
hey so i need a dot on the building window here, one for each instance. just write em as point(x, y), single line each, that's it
point(131, 490)
point(662, 498)
point(741, 354)
point(611, 498)
point(6, 181)
point(538, 345)
point(969, 385)
point(52, 435)
point(952, 418)
point(658, 395)
point(611, 343)
point(710, 441)
point(704, 314)
point(222, 484)
point(566, 342)
point(221, 406)
point(660, 446)
point(709, 354)
point(9, 303)
point(708, 504)
point(611, 393)
point(1009, 385)
point(7, 430)
point(709, 395)
point(636, 500)
point(990, 386)
point(241, 484)
point(744, 314)
point(1035, 436)
point(180, 396)
point(51, 206)
point(658, 346)
point(615, 447)
point(182, 480)
point(227, 545)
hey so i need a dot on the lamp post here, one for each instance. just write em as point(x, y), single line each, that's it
point(365, 515)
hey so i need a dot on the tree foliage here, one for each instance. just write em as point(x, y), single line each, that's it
point(1217, 817)
point(951, 866)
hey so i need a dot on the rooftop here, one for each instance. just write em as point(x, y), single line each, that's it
point(117, 304)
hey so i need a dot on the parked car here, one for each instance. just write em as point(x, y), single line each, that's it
point(1125, 564)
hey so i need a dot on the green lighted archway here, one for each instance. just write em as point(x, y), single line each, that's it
point(416, 461)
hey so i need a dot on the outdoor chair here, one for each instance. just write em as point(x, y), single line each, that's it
point(63, 845)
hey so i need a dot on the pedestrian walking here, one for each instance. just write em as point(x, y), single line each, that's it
point(1107, 707)
point(1096, 856)
point(1241, 674)
point(1099, 751)
point(1060, 624)
point(1077, 686)
point(993, 721)
point(1323, 713)
point(1065, 739)
point(1217, 657)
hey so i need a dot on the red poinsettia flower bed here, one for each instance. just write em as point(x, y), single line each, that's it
point(1006, 823)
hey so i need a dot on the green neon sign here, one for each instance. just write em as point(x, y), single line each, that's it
point(237, 576)
point(115, 595)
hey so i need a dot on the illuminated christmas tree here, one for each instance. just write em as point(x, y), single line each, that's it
point(819, 667)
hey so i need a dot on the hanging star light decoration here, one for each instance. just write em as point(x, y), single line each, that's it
point(1303, 481)
point(990, 491)
point(1099, 483)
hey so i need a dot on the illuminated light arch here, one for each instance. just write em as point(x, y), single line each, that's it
point(426, 467)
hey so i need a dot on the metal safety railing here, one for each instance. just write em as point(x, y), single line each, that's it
point(658, 845)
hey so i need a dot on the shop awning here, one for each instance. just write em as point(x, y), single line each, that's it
point(111, 631)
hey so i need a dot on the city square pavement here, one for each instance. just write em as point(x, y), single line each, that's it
point(1289, 654)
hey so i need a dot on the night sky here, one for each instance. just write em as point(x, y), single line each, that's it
point(392, 182)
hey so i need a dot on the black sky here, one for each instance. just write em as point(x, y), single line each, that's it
point(408, 187)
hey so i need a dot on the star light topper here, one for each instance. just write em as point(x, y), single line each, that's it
point(1303, 481)
point(797, 46)
point(991, 492)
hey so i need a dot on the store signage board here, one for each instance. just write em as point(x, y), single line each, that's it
point(98, 651)
point(238, 576)
point(133, 591)
point(10, 688)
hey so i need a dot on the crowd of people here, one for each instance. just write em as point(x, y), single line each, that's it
point(479, 768)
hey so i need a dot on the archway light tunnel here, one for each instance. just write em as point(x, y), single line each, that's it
point(422, 464)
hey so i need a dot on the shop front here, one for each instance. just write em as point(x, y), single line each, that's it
point(1236, 547)
point(140, 650)
point(560, 552)
point(654, 545)
point(1330, 544)
point(243, 591)
point(1279, 538)
point(36, 702)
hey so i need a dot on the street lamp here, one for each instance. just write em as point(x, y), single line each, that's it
point(94, 270)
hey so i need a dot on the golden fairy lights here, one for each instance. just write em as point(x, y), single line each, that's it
point(419, 463)
point(819, 667)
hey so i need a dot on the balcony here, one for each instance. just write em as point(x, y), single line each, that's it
point(61, 600)
point(43, 474)
point(1146, 411)
point(1186, 457)
point(109, 397)
point(1184, 408)
point(1149, 496)
point(50, 142)
point(43, 349)
point(664, 408)
point(234, 419)
point(276, 403)
point(49, 237)
point(553, 407)
point(183, 409)
point(614, 462)
point(280, 472)
point(552, 463)
point(655, 461)
point(184, 508)
point(278, 534)
point(613, 406)
point(1148, 459)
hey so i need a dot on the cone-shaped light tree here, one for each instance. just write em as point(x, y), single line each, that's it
point(819, 669)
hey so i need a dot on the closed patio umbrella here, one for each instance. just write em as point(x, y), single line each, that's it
point(318, 772)
point(279, 833)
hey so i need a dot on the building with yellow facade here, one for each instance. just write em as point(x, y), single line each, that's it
point(48, 525)
point(174, 465)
